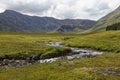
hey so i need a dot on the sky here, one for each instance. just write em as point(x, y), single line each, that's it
point(62, 9)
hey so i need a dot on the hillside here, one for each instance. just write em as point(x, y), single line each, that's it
point(115, 26)
point(70, 29)
point(16, 22)
point(109, 19)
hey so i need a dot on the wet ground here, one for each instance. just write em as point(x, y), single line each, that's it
point(76, 53)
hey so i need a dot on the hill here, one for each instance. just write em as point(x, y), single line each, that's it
point(111, 18)
point(70, 29)
point(115, 26)
point(16, 22)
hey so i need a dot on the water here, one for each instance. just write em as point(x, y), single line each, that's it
point(80, 52)
point(76, 53)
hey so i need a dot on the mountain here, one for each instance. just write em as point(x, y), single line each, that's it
point(111, 18)
point(70, 29)
point(16, 22)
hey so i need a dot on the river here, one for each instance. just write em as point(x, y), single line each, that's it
point(76, 53)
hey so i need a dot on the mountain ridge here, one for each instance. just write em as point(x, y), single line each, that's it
point(109, 19)
point(17, 22)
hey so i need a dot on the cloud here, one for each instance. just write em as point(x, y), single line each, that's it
point(62, 9)
point(99, 9)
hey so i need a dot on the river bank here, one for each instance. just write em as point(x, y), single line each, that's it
point(75, 53)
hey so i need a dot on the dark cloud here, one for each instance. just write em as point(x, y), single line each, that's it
point(92, 9)
point(30, 7)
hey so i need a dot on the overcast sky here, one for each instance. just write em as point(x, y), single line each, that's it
point(62, 9)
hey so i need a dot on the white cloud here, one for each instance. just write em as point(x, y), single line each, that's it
point(80, 9)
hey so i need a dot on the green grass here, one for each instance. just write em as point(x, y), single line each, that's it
point(81, 69)
point(108, 41)
point(94, 68)
point(18, 45)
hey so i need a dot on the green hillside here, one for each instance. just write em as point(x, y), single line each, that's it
point(109, 19)
point(115, 26)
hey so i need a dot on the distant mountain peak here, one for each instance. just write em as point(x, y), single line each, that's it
point(11, 12)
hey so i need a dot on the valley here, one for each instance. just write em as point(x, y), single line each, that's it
point(103, 66)
point(59, 40)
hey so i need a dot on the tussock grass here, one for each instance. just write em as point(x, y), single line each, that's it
point(103, 67)
point(108, 41)
point(21, 46)
point(80, 69)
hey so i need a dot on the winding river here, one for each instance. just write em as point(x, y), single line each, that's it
point(80, 52)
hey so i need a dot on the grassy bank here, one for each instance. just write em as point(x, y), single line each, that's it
point(108, 41)
point(21, 46)
point(104, 67)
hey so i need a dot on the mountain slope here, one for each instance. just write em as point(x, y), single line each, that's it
point(109, 19)
point(16, 22)
point(115, 26)
point(70, 29)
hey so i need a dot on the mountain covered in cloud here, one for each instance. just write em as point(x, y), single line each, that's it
point(16, 22)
